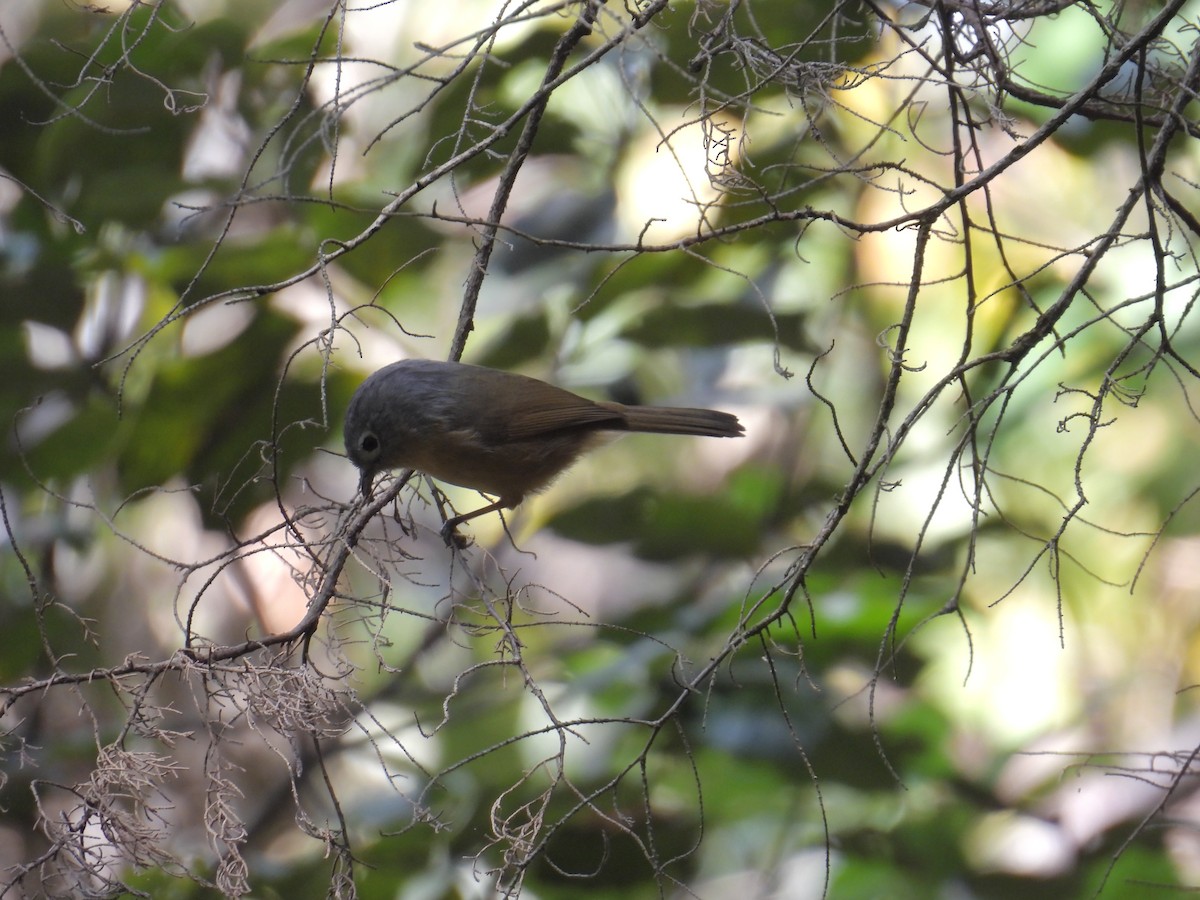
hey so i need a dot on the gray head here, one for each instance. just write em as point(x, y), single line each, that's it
point(388, 409)
point(363, 444)
point(367, 430)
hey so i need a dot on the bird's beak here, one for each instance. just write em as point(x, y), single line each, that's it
point(364, 484)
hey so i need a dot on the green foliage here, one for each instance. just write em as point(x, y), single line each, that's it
point(664, 526)
point(825, 657)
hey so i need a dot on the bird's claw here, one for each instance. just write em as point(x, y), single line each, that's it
point(451, 536)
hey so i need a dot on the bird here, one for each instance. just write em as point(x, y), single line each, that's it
point(500, 433)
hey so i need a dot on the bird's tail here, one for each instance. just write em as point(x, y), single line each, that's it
point(674, 420)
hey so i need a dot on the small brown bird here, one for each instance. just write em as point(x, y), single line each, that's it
point(500, 433)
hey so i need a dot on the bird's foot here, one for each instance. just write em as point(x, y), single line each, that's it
point(451, 536)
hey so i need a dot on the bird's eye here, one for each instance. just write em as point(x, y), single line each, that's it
point(368, 445)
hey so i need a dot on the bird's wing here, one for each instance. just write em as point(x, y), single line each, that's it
point(541, 415)
point(529, 408)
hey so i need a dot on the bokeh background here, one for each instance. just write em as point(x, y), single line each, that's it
point(929, 629)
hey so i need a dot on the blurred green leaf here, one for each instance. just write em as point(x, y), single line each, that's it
point(716, 325)
point(663, 526)
point(198, 421)
point(526, 337)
